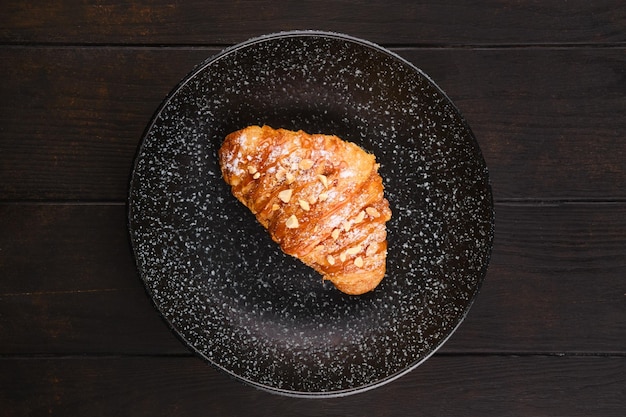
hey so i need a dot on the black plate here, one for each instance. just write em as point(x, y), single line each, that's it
point(229, 292)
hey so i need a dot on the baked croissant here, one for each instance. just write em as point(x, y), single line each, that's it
point(320, 198)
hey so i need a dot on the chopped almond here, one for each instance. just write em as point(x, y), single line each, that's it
point(323, 179)
point(305, 164)
point(292, 222)
point(304, 205)
point(371, 249)
point(280, 174)
point(372, 212)
point(353, 250)
point(285, 195)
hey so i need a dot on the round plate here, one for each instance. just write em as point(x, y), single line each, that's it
point(226, 288)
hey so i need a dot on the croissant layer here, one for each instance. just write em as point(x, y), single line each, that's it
point(320, 198)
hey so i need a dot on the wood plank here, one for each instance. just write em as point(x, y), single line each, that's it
point(553, 133)
point(463, 385)
point(73, 118)
point(99, 322)
point(193, 22)
point(70, 284)
point(555, 283)
point(65, 248)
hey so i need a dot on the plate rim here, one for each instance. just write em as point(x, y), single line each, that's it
point(489, 239)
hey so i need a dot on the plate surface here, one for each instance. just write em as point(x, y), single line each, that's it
point(229, 292)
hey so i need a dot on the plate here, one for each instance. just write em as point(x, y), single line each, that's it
point(230, 293)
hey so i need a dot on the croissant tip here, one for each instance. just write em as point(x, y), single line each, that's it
point(355, 284)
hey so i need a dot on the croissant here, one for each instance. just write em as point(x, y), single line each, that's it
point(320, 198)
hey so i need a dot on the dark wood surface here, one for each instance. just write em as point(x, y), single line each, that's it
point(543, 86)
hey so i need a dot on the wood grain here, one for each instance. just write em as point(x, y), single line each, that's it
point(450, 386)
point(84, 322)
point(392, 21)
point(541, 83)
point(64, 248)
point(73, 117)
point(69, 283)
point(555, 282)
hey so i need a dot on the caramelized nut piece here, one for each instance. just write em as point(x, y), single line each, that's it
point(275, 207)
point(335, 234)
point(285, 195)
point(331, 259)
point(346, 226)
point(290, 177)
point(353, 250)
point(256, 175)
point(292, 222)
point(252, 170)
point(323, 179)
point(280, 174)
point(305, 164)
point(304, 205)
point(358, 261)
point(371, 249)
point(359, 217)
point(342, 257)
point(372, 212)
point(322, 197)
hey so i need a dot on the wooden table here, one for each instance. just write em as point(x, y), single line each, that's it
point(543, 85)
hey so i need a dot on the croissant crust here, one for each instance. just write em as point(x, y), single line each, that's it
point(320, 198)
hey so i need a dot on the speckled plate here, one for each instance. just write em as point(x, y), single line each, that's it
point(229, 292)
